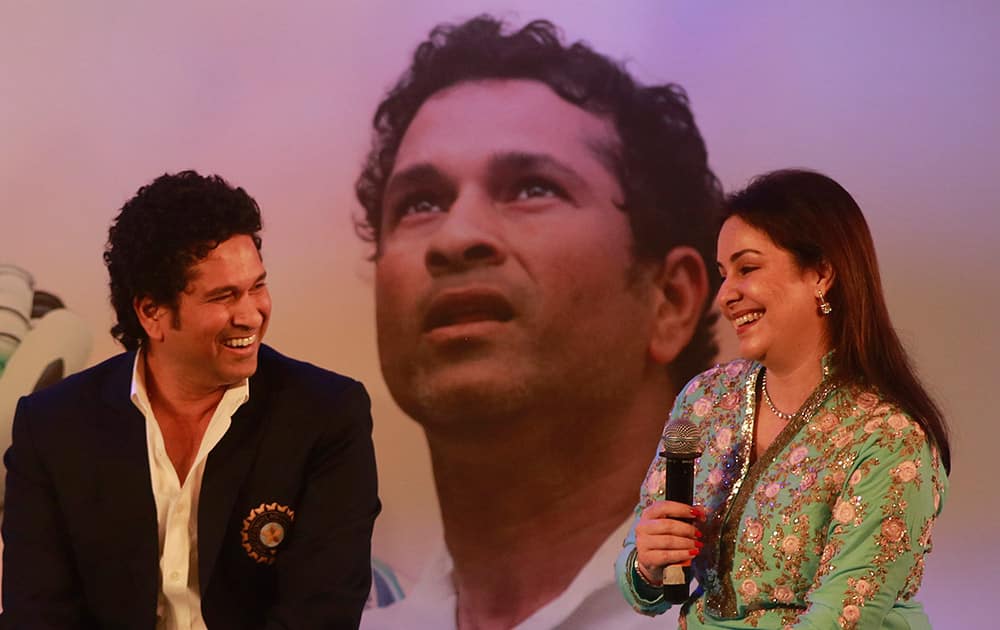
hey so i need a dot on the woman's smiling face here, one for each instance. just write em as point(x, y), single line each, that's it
point(767, 296)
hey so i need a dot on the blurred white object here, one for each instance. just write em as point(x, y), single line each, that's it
point(16, 299)
point(57, 345)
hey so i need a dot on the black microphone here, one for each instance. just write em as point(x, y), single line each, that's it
point(681, 446)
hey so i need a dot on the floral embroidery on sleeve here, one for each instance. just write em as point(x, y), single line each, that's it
point(873, 529)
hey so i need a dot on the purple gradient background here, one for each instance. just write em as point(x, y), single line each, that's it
point(897, 100)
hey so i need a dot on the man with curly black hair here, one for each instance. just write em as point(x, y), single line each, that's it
point(543, 227)
point(200, 479)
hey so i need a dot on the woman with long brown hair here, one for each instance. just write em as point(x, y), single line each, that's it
point(825, 461)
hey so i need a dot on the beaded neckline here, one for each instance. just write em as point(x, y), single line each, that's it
point(809, 406)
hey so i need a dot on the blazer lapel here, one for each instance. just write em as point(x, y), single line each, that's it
point(226, 471)
point(122, 468)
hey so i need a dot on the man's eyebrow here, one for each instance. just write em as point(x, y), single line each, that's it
point(524, 161)
point(421, 173)
point(232, 288)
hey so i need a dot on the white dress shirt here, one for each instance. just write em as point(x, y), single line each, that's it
point(592, 601)
point(178, 606)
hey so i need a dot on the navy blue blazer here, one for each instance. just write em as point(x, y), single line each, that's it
point(80, 528)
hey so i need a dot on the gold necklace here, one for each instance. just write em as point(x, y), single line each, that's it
point(812, 403)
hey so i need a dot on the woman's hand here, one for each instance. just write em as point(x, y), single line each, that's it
point(661, 539)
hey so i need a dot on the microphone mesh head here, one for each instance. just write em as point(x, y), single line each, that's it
point(681, 438)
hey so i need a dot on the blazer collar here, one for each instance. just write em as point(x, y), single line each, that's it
point(118, 382)
point(122, 470)
point(229, 463)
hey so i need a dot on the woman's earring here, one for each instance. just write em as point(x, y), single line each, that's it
point(824, 306)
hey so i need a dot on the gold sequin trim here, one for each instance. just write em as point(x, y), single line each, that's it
point(722, 603)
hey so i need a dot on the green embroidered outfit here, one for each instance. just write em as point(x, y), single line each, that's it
point(829, 528)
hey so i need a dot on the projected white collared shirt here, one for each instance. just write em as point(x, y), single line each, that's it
point(591, 602)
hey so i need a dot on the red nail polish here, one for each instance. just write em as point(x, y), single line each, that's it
point(699, 544)
point(695, 513)
point(693, 552)
point(697, 534)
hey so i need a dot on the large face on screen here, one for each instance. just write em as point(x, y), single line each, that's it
point(222, 314)
point(506, 277)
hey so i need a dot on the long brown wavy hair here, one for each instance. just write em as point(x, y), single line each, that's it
point(817, 220)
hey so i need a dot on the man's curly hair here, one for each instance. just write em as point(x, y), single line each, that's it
point(672, 197)
point(161, 232)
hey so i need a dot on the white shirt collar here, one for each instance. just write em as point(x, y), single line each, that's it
point(236, 394)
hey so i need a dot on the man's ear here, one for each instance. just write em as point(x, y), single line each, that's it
point(153, 317)
point(682, 288)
